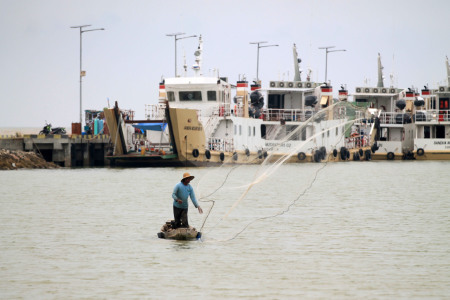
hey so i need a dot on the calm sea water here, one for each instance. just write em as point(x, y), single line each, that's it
point(360, 230)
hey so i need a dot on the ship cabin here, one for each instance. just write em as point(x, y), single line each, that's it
point(394, 108)
point(286, 101)
point(207, 95)
point(432, 118)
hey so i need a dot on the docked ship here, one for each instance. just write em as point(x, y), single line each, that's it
point(390, 110)
point(432, 122)
point(199, 122)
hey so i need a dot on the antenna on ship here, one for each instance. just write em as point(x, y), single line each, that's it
point(198, 58)
point(185, 64)
point(380, 72)
point(297, 61)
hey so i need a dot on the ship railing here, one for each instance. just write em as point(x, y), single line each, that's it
point(363, 118)
point(276, 114)
point(386, 118)
point(441, 115)
point(222, 110)
point(217, 144)
point(155, 111)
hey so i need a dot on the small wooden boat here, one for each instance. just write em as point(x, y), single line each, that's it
point(182, 233)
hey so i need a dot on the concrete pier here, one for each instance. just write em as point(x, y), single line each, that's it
point(64, 150)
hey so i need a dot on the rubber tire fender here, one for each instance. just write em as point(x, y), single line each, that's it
point(207, 154)
point(420, 151)
point(301, 156)
point(195, 153)
point(390, 156)
point(368, 155)
point(317, 156)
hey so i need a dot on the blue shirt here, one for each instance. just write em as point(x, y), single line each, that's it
point(182, 192)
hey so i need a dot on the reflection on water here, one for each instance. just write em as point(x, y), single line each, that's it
point(363, 230)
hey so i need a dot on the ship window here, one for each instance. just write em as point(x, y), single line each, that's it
point(440, 132)
point(212, 96)
point(337, 131)
point(426, 132)
point(249, 131)
point(254, 131)
point(191, 96)
point(171, 96)
point(240, 130)
point(263, 131)
point(235, 129)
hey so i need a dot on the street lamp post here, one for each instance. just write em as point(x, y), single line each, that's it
point(176, 39)
point(257, 55)
point(326, 57)
point(82, 73)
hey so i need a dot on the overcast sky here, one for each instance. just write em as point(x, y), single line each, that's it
point(39, 52)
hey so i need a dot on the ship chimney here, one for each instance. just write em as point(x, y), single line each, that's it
point(343, 93)
point(241, 105)
point(255, 86)
point(410, 94)
point(326, 96)
point(162, 92)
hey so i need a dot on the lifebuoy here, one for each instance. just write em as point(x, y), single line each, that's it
point(390, 156)
point(208, 154)
point(195, 153)
point(222, 156)
point(420, 151)
point(301, 156)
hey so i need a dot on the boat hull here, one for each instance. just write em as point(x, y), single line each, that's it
point(167, 232)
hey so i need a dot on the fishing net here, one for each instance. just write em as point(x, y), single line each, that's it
point(245, 195)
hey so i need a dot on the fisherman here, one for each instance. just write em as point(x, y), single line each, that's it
point(180, 195)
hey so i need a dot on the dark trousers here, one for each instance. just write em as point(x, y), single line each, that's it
point(181, 217)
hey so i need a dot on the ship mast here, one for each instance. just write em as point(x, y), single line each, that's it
point(197, 67)
point(380, 72)
point(448, 71)
point(297, 62)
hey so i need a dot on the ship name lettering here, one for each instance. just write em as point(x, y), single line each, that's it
point(440, 142)
point(278, 144)
point(196, 128)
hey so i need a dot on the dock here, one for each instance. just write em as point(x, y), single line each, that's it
point(63, 150)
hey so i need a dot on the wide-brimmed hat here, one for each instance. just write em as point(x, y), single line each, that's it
point(187, 175)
